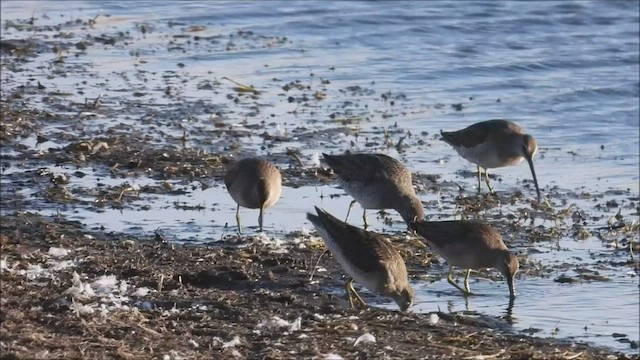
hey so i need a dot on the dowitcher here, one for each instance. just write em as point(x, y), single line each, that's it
point(367, 257)
point(493, 144)
point(253, 183)
point(470, 245)
point(377, 181)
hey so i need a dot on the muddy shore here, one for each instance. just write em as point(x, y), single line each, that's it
point(68, 291)
point(243, 298)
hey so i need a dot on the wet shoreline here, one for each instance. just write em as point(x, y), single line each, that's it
point(194, 301)
point(121, 131)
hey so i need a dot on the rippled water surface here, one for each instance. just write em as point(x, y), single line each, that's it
point(566, 71)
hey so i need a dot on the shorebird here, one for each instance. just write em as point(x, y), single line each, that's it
point(253, 183)
point(377, 181)
point(470, 245)
point(493, 144)
point(366, 257)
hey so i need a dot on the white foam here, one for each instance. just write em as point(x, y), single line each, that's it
point(332, 356)
point(304, 231)
point(105, 284)
point(278, 323)
point(143, 291)
point(62, 265)
point(277, 245)
point(433, 319)
point(315, 160)
point(173, 355)
point(32, 271)
point(365, 338)
point(85, 309)
point(232, 343)
point(4, 266)
point(58, 252)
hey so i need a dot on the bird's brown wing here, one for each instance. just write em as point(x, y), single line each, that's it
point(466, 233)
point(365, 168)
point(478, 133)
point(364, 249)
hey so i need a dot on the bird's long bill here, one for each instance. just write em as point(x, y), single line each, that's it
point(533, 172)
point(512, 290)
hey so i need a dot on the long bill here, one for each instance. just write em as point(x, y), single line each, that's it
point(512, 290)
point(533, 172)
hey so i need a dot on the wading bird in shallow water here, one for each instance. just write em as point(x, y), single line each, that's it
point(377, 181)
point(493, 144)
point(253, 183)
point(469, 245)
point(366, 257)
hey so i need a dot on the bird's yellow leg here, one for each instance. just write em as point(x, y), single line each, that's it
point(486, 179)
point(348, 286)
point(364, 304)
point(466, 282)
point(452, 282)
point(238, 220)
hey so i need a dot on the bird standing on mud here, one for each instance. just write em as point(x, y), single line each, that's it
point(253, 183)
point(366, 257)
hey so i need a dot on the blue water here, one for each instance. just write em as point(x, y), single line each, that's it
point(566, 71)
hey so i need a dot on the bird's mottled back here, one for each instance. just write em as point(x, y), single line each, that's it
point(470, 245)
point(478, 133)
point(466, 233)
point(366, 257)
point(363, 248)
point(367, 168)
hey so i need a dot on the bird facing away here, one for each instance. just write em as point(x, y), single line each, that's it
point(377, 181)
point(493, 144)
point(366, 257)
point(469, 245)
point(253, 183)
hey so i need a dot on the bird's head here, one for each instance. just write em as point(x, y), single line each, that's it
point(404, 297)
point(508, 266)
point(411, 209)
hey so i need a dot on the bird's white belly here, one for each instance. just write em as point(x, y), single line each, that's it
point(365, 196)
point(363, 278)
point(486, 156)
